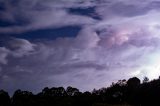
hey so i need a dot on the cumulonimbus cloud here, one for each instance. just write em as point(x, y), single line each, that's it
point(121, 43)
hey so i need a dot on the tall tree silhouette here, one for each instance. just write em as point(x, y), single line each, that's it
point(23, 98)
point(4, 98)
point(133, 85)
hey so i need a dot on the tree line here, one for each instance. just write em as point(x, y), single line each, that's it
point(130, 91)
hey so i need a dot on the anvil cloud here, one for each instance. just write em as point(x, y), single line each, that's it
point(114, 39)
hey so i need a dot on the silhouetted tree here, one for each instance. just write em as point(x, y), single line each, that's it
point(22, 98)
point(116, 92)
point(133, 82)
point(57, 92)
point(145, 79)
point(4, 98)
point(72, 91)
point(121, 92)
point(133, 85)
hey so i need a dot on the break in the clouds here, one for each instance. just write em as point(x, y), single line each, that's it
point(83, 43)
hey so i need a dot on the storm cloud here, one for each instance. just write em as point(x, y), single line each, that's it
point(114, 40)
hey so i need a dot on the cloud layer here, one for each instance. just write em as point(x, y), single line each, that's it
point(117, 39)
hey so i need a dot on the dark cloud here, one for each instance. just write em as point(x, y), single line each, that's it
point(154, 5)
point(128, 10)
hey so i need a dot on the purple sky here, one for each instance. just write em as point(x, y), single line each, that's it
point(116, 39)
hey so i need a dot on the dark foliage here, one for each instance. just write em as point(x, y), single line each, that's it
point(4, 98)
point(130, 92)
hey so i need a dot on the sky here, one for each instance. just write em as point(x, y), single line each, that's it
point(81, 43)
